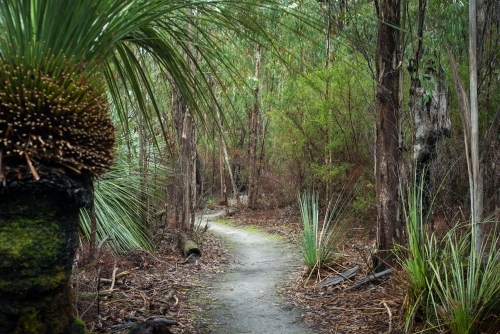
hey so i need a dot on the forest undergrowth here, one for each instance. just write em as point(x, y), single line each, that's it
point(139, 284)
point(375, 307)
point(160, 284)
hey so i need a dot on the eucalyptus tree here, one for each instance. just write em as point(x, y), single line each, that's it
point(59, 62)
point(388, 153)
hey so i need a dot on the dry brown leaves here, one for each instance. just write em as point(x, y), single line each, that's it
point(159, 284)
point(146, 285)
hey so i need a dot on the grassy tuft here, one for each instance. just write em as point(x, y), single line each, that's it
point(320, 242)
point(451, 285)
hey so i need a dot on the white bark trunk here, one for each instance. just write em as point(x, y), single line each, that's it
point(254, 137)
point(226, 160)
point(477, 179)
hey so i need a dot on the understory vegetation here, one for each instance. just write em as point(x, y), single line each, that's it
point(452, 284)
point(321, 239)
point(295, 115)
point(166, 108)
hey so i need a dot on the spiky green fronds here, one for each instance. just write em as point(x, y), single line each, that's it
point(51, 113)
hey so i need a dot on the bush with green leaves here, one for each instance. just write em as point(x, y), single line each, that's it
point(120, 210)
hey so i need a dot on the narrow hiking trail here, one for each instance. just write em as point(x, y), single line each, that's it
point(246, 297)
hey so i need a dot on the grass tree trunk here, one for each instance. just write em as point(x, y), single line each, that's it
point(93, 230)
point(388, 155)
point(38, 240)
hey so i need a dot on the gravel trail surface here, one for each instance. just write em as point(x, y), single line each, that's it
point(246, 298)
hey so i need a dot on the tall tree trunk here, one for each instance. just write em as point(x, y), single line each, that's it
point(38, 239)
point(476, 164)
point(388, 154)
point(226, 160)
point(212, 187)
point(430, 110)
point(431, 121)
point(186, 136)
point(477, 173)
point(223, 187)
point(253, 175)
point(328, 53)
point(143, 166)
point(222, 132)
point(188, 171)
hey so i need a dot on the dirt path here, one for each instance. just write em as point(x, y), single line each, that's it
point(246, 298)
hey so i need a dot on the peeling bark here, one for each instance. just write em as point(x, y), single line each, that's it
point(431, 120)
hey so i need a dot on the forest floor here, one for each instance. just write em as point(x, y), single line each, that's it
point(198, 295)
point(375, 307)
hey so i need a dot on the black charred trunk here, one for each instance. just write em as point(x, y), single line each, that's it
point(38, 239)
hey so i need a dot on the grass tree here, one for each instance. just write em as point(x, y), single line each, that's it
point(61, 65)
point(321, 240)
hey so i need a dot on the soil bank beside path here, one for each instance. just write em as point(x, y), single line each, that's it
point(246, 298)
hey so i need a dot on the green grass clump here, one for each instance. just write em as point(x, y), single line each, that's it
point(465, 284)
point(452, 285)
point(320, 242)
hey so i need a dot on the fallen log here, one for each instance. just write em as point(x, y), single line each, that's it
point(337, 279)
point(370, 278)
point(108, 281)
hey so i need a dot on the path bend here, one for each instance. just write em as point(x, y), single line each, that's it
point(246, 297)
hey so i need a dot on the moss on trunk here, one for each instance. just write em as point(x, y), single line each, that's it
point(38, 240)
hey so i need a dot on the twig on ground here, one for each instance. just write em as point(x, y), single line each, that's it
point(103, 241)
point(186, 260)
point(389, 331)
point(167, 297)
point(123, 273)
point(113, 277)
